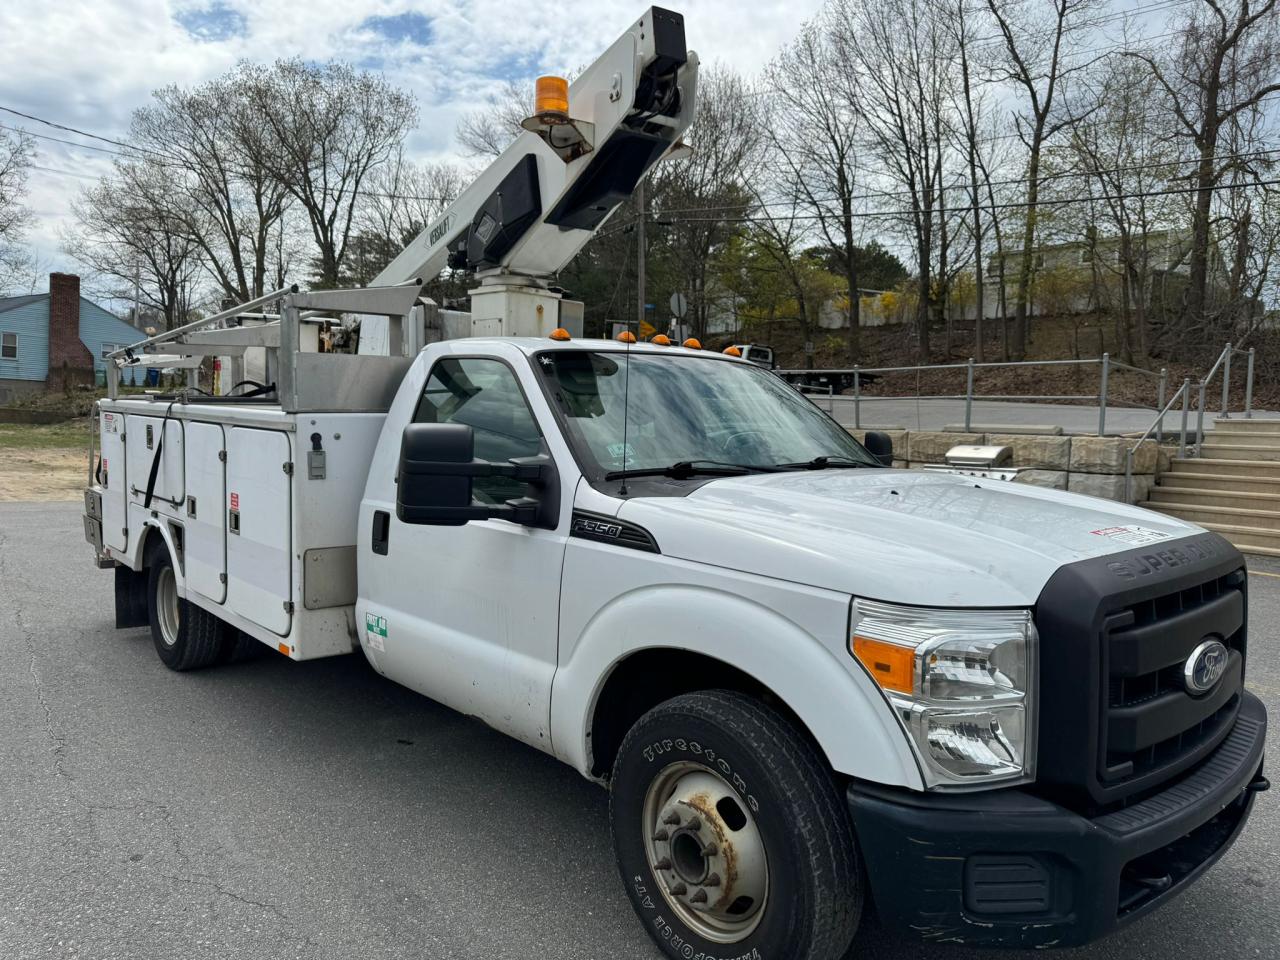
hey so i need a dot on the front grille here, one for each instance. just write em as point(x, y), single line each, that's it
point(1151, 725)
point(1116, 721)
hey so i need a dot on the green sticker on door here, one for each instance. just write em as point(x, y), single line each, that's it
point(375, 629)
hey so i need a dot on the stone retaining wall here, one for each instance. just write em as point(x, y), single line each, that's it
point(1089, 465)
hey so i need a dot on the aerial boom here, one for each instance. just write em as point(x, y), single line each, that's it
point(531, 211)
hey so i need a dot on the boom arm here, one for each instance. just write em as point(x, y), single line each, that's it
point(531, 211)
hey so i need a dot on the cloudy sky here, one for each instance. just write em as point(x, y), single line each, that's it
point(89, 63)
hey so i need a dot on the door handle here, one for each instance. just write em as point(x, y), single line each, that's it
point(381, 531)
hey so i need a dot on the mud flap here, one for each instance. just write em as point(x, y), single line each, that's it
point(131, 598)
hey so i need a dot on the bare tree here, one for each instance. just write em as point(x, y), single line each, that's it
point(125, 236)
point(16, 153)
point(226, 192)
point(486, 132)
point(1036, 61)
point(896, 59)
point(813, 140)
point(320, 129)
point(1224, 63)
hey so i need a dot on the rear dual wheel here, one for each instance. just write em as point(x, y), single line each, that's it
point(731, 835)
point(186, 636)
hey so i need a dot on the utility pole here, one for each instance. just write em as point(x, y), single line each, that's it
point(137, 309)
point(640, 257)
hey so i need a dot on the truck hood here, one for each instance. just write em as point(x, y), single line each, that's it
point(897, 535)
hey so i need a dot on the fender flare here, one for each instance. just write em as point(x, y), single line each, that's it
point(152, 527)
point(860, 738)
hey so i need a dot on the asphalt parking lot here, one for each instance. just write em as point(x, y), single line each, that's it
point(271, 809)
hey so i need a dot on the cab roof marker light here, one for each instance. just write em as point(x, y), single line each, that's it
point(661, 340)
point(692, 344)
point(626, 336)
point(732, 351)
point(560, 333)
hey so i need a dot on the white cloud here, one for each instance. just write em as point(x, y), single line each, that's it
point(90, 63)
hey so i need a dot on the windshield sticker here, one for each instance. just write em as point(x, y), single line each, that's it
point(616, 451)
point(375, 629)
point(1133, 534)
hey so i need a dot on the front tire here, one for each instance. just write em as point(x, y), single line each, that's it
point(730, 834)
point(186, 636)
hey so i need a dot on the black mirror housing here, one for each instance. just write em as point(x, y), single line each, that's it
point(437, 467)
point(880, 446)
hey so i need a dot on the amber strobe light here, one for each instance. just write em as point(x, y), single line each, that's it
point(552, 96)
point(892, 666)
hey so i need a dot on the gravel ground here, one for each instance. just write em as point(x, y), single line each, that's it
point(270, 809)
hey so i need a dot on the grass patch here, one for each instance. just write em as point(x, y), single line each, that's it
point(73, 434)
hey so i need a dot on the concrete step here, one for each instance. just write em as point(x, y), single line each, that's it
point(1235, 516)
point(1247, 539)
point(1238, 426)
point(1218, 450)
point(1266, 469)
point(1208, 497)
point(1223, 482)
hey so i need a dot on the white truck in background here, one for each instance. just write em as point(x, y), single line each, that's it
point(1010, 716)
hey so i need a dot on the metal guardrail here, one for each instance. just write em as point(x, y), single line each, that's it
point(1105, 364)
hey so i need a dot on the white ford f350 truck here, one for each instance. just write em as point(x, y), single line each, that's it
point(1006, 715)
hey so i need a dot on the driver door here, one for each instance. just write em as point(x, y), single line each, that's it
point(472, 611)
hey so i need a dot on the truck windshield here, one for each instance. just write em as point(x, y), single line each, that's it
point(685, 409)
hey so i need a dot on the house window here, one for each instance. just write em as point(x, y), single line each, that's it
point(109, 348)
point(8, 346)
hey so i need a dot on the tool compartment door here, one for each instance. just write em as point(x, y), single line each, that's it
point(115, 481)
point(144, 436)
point(258, 511)
point(206, 538)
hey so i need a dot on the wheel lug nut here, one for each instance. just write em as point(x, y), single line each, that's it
point(695, 824)
point(699, 897)
point(672, 819)
point(678, 889)
point(663, 864)
point(660, 836)
point(712, 881)
point(710, 850)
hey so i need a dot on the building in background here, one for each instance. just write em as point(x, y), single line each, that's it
point(49, 341)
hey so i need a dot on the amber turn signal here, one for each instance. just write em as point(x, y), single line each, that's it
point(891, 666)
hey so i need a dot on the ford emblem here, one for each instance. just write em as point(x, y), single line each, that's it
point(1205, 667)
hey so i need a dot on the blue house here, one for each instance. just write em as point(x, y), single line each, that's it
point(48, 340)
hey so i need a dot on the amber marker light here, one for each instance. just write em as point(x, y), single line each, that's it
point(692, 344)
point(560, 333)
point(661, 340)
point(626, 336)
point(890, 665)
point(551, 96)
point(733, 351)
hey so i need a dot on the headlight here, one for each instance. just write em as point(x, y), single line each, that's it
point(960, 683)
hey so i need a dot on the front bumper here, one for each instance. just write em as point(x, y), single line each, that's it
point(1006, 868)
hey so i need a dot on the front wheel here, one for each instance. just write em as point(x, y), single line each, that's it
point(730, 834)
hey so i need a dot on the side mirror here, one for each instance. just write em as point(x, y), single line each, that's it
point(438, 466)
point(880, 446)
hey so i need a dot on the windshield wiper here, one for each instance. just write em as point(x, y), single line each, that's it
point(684, 469)
point(822, 463)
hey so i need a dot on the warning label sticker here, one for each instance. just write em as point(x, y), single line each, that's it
point(110, 423)
point(1133, 534)
point(235, 501)
point(375, 630)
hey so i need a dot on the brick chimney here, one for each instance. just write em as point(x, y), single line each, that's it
point(70, 361)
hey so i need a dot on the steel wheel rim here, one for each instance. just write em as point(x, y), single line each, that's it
point(167, 611)
point(705, 849)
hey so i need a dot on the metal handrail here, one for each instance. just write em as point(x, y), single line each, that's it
point(1224, 363)
point(1157, 426)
